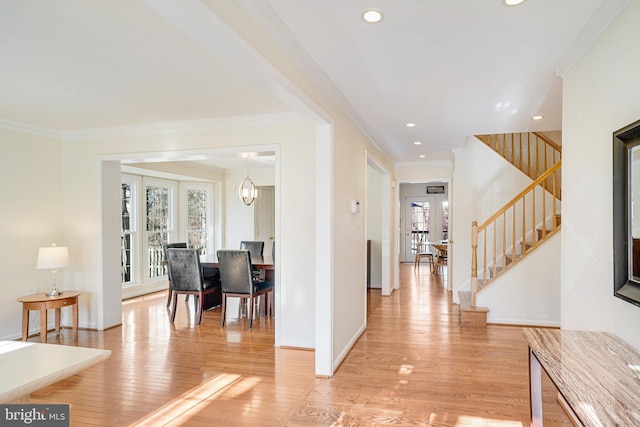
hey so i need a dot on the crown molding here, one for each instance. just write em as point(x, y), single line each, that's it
point(27, 128)
point(601, 19)
point(270, 21)
point(277, 119)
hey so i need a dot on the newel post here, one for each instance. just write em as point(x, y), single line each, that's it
point(474, 262)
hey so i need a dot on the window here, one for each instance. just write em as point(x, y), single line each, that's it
point(198, 224)
point(128, 238)
point(419, 222)
point(159, 217)
point(152, 210)
point(445, 219)
point(125, 240)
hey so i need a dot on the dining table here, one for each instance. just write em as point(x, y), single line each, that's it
point(441, 248)
point(209, 264)
point(265, 262)
point(258, 262)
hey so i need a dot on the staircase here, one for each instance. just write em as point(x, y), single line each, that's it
point(523, 224)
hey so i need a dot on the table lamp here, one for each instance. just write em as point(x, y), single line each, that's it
point(52, 258)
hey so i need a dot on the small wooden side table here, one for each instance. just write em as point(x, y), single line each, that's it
point(44, 302)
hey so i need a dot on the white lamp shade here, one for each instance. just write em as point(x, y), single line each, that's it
point(53, 257)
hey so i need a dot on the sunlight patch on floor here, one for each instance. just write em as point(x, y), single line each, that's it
point(189, 400)
point(468, 421)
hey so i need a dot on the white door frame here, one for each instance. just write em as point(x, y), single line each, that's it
point(385, 220)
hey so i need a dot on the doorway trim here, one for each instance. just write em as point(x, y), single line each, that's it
point(385, 220)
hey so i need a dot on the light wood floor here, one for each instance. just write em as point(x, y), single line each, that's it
point(413, 366)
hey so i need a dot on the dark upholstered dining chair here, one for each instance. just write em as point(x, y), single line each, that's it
point(255, 249)
point(166, 246)
point(236, 280)
point(187, 278)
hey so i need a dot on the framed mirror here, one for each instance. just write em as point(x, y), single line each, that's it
point(626, 213)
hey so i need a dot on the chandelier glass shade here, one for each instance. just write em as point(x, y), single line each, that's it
point(247, 191)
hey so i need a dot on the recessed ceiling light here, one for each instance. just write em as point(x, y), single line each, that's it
point(411, 125)
point(512, 2)
point(422, 156)
point(372, 16)
point(417, 143)
point(537, 117)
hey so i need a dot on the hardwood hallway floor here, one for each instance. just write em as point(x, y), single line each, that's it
point(413, 366)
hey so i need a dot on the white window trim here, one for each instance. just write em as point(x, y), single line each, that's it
point(136, 183)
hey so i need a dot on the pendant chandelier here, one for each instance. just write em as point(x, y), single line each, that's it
point(247, 190)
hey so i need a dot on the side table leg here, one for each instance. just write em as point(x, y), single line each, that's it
point(25, 323)
point(75, 319)
point(58, 318)
point(535, 390)
point(43, 323)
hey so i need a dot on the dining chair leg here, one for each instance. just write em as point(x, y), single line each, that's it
point(258, 305)
point(173, 309)
point(199, 303)
point(268, 309)
point(169, 294)
point(251, 304)
point(224, 310)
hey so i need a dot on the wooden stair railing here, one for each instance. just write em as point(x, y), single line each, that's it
point(515, 230)
point(533, 153)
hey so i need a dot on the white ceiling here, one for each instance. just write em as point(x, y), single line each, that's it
point(455, 68)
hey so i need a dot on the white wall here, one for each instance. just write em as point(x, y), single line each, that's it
point(349, 236)
point(601, 95)
point(529, 293)
point(30, 172)
point(483, 183)
point(240, 218)
point(424, 171)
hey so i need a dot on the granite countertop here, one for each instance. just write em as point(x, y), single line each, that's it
point(597, 373)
